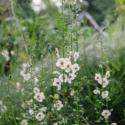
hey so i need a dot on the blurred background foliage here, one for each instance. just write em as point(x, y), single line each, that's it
point(42, 31)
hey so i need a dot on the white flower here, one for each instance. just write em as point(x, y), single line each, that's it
point(18, 85)
point(1, 103)
point(56, 96)
point(40, 116)
point(39, 96)
point(98, 77)
point(71, 77)
point(43, 109)
point(72, 93)
point(30, 111)
point(75, 68)
point(100, 65)
point(96, 91)
point(23, 105)
point(107, 75)
point(61, 62)
point(12, 52)
point(76, 56)
point(55, 124)
point(57, 52)
point(114, 124)
point(74, 1)
point(27, 76)
point(24, 66)
point(22, 91)
point(24, 115)
point(105, 82)
point(30, 102)
point(105, 94)
point(58, 105)
point(56, 72)
point(3, 108)
point(22, 73)
point(35, 80)
point(57, 83)
point(61, 77)
point(106, 113)
point(17, 118)
point(70, 55)
point(5, 53)
point(24, 122)
point(7, 58)
point(67, 60)
point(68, 67)
point(36, 69)
point(36, 90)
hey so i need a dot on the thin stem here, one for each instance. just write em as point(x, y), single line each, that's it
point(26, 52)
point(11, 103)
point(71, 29)
point(53, 86)
point(102, 60)
point(102, 66)
point(101, 74)
point(19, 29)
point(42, 71)
point(63, 57)
point(78, 115)
point(107, 107)
point(52, 71)
point(76, 27)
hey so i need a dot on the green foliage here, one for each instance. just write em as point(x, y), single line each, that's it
point(99, 9)
point(119, 1)
point(42, 33)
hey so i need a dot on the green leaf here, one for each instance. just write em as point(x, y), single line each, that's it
point(70, 6)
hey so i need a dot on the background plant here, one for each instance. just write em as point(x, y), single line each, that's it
point(43, 32)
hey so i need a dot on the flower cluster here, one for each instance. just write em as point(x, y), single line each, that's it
point(2, 107)
point(104, 82)
point(5, 53)
point(23, 73)
point(69, 68)
point(58, 104)
point(24, 122)
point(39, 115)
point(27, 76)
point(39, 96)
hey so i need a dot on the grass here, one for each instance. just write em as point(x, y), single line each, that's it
point(33, 42)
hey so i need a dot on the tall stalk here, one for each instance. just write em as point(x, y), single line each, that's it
point(53, 86)
point(107, 109)
point(76, 27)
point(101, 74)
point(102, 66)
point(102, 60)
point(71, 25)
point(77, 49)
point(42, 71)
point(63, 57)
point(10, 101)
point(26, 53)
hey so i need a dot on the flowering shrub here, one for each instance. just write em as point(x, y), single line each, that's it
point(53, 83)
